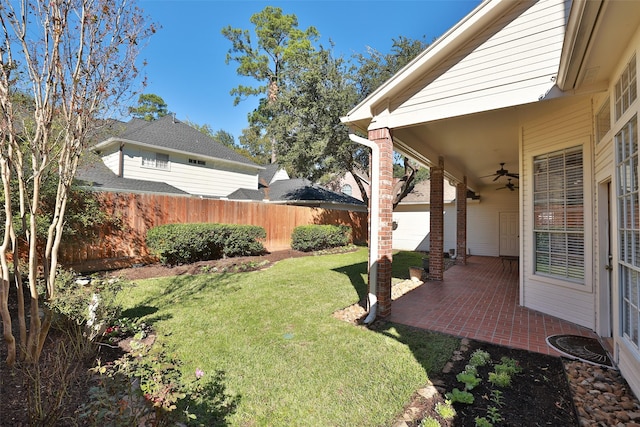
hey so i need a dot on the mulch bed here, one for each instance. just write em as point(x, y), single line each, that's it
point(538, 396)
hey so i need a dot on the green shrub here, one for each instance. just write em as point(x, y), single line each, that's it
point(89, 303)
point(185, 243)
point(317, 237)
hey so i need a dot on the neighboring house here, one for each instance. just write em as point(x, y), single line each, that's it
point(93, 173)
point(270, 174)
point(549, 88)
point(412, 221)
point(169, 151)
point(299, 192)
point(348, 185)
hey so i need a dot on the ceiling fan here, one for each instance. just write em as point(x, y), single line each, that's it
point(502, 172)
point(510, 185)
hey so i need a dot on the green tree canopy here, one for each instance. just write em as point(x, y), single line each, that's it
point(278, 41)
point(150, 107)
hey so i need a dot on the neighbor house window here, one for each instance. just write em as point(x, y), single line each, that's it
point(626, 88)
point(629, 227)
point(155, 160)
point(346, 189)
point(559, 214)
point(197, 162)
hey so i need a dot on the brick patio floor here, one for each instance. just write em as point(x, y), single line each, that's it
point(480, 301)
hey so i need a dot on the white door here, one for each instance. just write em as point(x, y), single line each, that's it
point(509, 236)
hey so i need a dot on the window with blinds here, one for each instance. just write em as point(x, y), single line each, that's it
point(155, 160)
point(558, 203)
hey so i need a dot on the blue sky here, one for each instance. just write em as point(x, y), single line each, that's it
point(186, 57)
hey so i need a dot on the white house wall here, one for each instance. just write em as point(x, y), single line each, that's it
point(512, 62)
point(483, 220)
point(215, 179)
point(413, 229)
point(111, 158)
point(566, 124)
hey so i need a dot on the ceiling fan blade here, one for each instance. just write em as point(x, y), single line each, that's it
point(513, 175)
point(487, 176)
point(496, 178)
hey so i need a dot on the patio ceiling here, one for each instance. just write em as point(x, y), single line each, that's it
point(472, 145)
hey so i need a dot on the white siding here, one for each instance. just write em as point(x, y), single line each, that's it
point(483, 220)
point(513, 62)
point(111, 158)
point(565, 125)
point(413, 229)
point(215, 179)
point(281, 174)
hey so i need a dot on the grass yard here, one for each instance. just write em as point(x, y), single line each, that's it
point(273, 335)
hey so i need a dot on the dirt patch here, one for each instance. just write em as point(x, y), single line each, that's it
point(236, 264)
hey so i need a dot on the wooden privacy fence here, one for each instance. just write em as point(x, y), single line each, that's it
point(123, 242)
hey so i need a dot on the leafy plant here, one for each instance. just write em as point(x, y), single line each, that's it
point(497, 398)
point(508, 366)
point(429, 422)
point(493, 414)
point(483, 422)
point(460, 396)
point(479, 358)
point(470, 379)
point(501, 379)
point(90, 303)
point(445, 410)
point(150, 387)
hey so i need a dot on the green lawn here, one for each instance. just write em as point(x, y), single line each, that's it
point(273, 335)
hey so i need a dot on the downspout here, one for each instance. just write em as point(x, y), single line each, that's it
point(374, 215)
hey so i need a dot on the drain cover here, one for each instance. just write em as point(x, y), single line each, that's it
point(582, 348)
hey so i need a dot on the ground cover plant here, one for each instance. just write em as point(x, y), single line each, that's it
point(290, 362)
point(491, 385)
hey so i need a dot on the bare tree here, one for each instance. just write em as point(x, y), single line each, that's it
point(64, 66)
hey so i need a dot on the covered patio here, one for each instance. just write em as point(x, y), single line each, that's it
point(479, 301)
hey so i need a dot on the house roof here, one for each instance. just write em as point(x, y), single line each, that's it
point(421, 193)
point(170, 134)
point(266, 175)
point(506, 62)
point(295, 191)
point(93, 173)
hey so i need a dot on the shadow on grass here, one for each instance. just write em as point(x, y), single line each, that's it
point(431, 349)
point(355, 273)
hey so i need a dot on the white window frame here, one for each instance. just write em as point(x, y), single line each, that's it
point(628, 205)
point(155, 160)
point(626, 89)
point(558, 236)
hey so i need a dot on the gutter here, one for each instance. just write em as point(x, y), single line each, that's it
point(374, 219)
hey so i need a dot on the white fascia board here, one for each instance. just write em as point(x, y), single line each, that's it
point(111, 141)
point(436, 52)
point(581, 23)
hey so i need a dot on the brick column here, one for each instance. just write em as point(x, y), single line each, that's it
point(382, 137)
point(436, 218)
point(461, 222)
